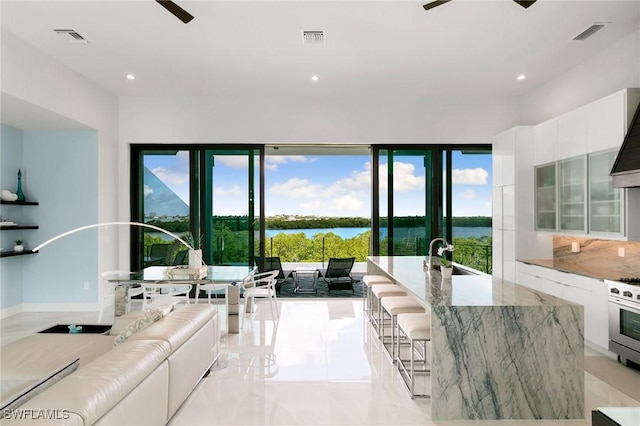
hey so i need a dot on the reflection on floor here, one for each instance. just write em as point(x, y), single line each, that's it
point(320, 364)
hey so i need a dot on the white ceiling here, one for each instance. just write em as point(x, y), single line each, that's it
point(374, 49)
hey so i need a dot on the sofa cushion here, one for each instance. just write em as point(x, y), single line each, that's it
point(94, 390)
point(37, 386)
point(179, 325)
point(28, 360)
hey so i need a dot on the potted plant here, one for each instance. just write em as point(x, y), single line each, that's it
point(446, 268)
point(18, 247)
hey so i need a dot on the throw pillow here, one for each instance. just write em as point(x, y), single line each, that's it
point(119, 323)
point(165, 309)
point(39, 387)
point(148, 318)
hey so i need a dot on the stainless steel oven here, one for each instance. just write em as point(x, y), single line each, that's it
point(624, 320)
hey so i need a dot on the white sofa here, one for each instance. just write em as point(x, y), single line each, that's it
point(142, 381)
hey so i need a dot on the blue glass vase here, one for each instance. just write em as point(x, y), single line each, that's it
point(19, 192)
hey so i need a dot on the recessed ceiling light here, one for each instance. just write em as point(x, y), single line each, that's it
point(522, 77)
point(131, 77)
point(314, 78)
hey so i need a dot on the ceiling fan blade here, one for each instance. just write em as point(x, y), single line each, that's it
point(434, 4)
point(525, 4)
point(176, 10)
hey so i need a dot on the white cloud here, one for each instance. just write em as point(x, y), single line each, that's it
point(221, 191)
point(273, 161)
point(233, 161)
point(171, 177)
point(344, 204)
point(343, 197)
point(297, 188)
point(147, 190)
point(404, 177)
point(477, 176)
point(357, 180)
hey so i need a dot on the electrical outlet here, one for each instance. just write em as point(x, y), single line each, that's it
point(86, 286)
point(621, 251)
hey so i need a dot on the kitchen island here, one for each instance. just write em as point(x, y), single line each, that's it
point(498, 350)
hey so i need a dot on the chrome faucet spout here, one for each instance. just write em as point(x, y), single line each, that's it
point(431, 249)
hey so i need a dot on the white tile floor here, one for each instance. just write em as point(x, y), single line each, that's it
point(321, 365)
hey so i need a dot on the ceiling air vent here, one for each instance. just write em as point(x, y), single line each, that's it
point(588, 32)
point(74, 36)
point(312, 37)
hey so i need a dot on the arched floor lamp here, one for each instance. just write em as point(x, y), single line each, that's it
point(139, 224)
point(97, 225)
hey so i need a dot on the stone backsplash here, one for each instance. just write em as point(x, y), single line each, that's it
point(597, 257)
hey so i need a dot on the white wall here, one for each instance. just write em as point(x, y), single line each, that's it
point(611, 70)
point(30, 75)
point(313, 120)
point(11, 142)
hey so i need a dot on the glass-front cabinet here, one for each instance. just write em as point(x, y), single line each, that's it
point(546, 194)
point(587, 202)
point(573, 194)
point(605, 201)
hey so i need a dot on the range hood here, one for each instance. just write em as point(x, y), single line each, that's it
point(626, 169)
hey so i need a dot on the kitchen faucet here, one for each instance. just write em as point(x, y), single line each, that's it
point(446, 243)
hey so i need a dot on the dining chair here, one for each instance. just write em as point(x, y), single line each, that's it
point(261, 286)
point(111, 279)
point(155, 294)
point(211, 288)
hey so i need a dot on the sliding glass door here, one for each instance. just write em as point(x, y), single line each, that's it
point(433, 191)
point(404, 188)
point(208, 196)
point(231, 206)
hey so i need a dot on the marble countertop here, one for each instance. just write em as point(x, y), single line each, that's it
point(461, 290)
point(592, 271)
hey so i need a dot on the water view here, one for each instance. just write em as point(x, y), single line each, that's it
point(346, 233)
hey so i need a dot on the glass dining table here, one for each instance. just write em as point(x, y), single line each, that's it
point(218, 276)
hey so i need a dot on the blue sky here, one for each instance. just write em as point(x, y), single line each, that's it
point(330, 185)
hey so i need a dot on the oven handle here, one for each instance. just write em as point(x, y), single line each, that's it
point(631, 306)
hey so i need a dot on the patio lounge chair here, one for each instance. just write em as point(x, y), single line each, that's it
point(337, 275)
point(273, 264)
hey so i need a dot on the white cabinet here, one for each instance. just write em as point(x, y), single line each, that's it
point(572, 133)
point(509, 255)
point(599, 314)
point(606, 122)
point(605, 202)
point(512, 183)
point(546, 194)
point(546, 142)
point(576, 195)
point(588, 292)
point(591, 130)
point(509, 207)
point(572, 187)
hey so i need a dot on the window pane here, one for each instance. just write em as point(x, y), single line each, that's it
point(166, 205)
point(471, 204)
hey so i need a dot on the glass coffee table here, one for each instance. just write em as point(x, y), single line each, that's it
point(311, 273)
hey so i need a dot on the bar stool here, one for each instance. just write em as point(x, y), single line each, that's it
point(417, 329)
point(368, 281)
point(393, 306)
point(378, 292)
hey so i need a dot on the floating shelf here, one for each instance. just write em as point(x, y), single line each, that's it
point(20, 203)
point(12, 228)
point(15, 253)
